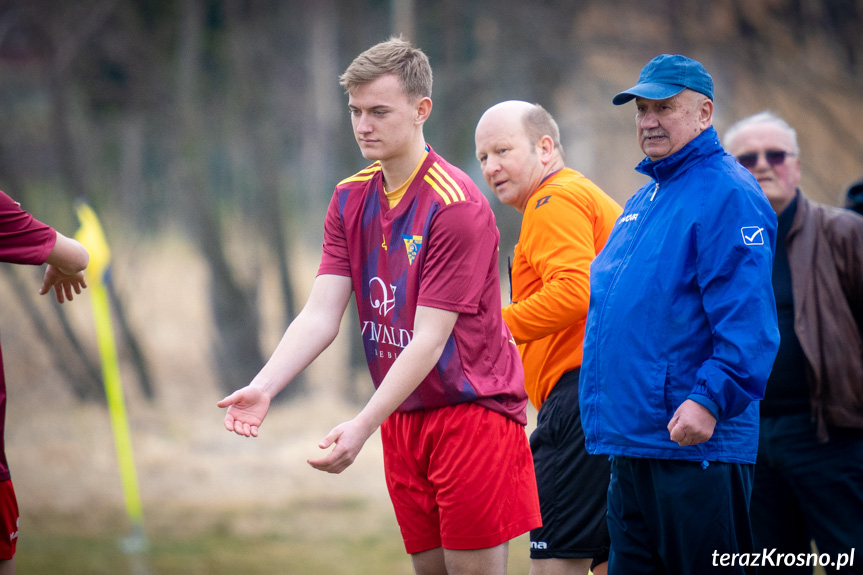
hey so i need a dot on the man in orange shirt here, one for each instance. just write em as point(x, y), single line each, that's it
point(566, 220)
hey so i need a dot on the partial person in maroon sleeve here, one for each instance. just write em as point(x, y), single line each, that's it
point(25, 240)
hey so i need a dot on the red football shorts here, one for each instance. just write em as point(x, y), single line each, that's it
point(460, 477)
point(8, 520)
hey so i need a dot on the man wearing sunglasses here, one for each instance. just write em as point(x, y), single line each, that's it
point(809, 474)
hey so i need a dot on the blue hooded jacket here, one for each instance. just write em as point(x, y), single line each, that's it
point(682, 307)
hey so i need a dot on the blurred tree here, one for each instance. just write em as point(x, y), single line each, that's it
point(236, 341)
point(256, 95)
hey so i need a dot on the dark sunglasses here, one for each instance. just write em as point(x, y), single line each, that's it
point(773, 157)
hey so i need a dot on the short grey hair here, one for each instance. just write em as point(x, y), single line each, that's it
point(538, 122)
point(765, 117)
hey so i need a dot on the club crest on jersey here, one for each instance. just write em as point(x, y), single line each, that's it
point(412, 245)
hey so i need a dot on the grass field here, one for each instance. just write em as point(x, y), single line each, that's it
point(307, 537)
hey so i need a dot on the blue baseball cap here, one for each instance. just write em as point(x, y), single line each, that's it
point(668, 75)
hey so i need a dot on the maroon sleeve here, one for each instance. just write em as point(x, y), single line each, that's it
point(23, 238)
point(461, 246)
point(334, 259)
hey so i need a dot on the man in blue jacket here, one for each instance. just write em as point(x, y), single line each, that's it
point(680, 339)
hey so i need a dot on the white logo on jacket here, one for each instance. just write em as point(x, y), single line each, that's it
point(753, 235)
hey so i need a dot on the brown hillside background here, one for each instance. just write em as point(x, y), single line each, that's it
point(208, 135)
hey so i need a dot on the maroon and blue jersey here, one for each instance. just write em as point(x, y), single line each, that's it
point(23, 240)
point(438, 247)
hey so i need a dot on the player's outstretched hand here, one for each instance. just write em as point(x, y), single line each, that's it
point(247, 408)
point(65, 285)
point(348, 438)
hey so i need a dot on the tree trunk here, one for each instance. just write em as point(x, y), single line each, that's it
point(236, 347)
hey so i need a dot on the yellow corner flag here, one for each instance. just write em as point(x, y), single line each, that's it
point(92, 237)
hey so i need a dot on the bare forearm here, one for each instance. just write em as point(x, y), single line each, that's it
point(411, 367)
point(432, 328)
point(296, 350)
point(414, 363)
point(311, 332)
point(68, 255)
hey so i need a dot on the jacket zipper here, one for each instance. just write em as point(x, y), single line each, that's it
point(611, 285)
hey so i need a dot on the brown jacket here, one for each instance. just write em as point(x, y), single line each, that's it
point(825, 252)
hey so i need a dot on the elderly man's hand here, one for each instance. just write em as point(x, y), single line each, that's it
point(692, 424)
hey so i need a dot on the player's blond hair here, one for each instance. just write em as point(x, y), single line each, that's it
point(395, 56)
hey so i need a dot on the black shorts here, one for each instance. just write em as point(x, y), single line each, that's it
point(573, 485)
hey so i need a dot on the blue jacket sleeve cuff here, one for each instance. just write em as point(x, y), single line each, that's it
point(705, 401)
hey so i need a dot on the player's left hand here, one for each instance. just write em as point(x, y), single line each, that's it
point(65, 285)
point(691, 424)
point(348, 438)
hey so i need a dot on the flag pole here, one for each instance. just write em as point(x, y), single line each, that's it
point(91, 235)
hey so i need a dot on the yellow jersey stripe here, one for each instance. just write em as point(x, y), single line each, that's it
point(455, 186)
point(447, 183)
point(435, 172)
point(440, 184)
point(363, 175)
point(440, 192)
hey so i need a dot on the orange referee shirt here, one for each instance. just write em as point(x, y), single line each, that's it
point(565, 224)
